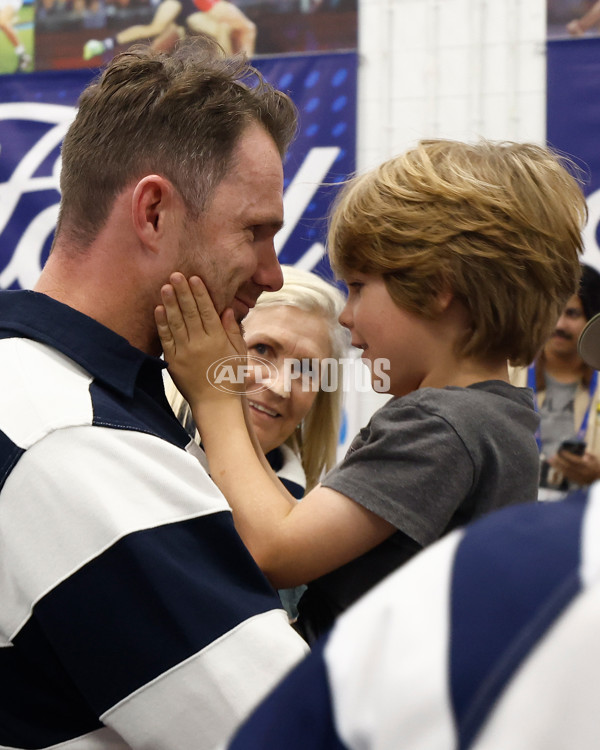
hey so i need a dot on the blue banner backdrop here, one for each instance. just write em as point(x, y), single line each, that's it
point(573, 120)
point(36, 110)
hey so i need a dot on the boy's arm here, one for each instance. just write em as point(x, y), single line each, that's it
point(292, 542)
point(193, 343)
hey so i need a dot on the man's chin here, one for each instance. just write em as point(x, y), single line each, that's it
point(240, 309)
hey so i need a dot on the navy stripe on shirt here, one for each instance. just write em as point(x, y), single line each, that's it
point(141, 413)
point(191, 562)
point(10, 453)
point(284, 721)
point(494, 628)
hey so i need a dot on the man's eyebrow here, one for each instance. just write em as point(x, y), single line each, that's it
point(273, 224)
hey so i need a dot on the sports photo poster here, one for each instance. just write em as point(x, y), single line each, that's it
point(572, 19)
point(40, 35)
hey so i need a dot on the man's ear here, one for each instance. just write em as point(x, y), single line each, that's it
point(154, 199)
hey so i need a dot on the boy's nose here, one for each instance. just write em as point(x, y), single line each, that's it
point(345, 318)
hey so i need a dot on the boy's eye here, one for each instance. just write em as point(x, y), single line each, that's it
point(354, 286)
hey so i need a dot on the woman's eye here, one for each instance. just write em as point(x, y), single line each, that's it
point(309, 366)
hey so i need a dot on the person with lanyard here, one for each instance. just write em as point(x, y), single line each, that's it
point(566, 395)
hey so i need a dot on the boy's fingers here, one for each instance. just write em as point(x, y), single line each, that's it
point(164, 331)
point(208, 314)
point(186, 302)
point(174, 317)
point(233, 331)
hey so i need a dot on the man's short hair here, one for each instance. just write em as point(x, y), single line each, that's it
point(497, 223)
point(179, 115)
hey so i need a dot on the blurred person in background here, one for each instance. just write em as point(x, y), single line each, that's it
point(567, 398)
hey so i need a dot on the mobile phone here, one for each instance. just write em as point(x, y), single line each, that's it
point(573, 446)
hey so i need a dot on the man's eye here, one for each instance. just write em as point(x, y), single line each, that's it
point(259, 231)
point(261, 349)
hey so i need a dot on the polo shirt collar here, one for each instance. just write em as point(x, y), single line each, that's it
point(107, 356)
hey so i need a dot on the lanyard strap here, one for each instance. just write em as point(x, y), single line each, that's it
point(531, 383)
point(586, 416)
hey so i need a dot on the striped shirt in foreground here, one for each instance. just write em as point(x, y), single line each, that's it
point(488, 640)
point(132, 615)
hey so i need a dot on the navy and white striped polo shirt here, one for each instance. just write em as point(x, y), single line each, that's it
point(131, 614)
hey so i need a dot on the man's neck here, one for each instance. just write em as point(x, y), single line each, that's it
point(114, 303)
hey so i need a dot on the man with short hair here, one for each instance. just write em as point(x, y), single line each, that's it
point(566, 396)
point(132, 614)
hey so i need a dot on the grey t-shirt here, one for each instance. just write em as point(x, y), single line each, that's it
point(438, 458)
point(557, 414)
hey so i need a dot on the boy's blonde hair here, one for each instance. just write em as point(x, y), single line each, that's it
point(497, 223)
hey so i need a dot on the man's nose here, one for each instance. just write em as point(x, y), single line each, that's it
point(268, 273)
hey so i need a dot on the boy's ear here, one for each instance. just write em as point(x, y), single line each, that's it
point(443, 298)
point(153, 200)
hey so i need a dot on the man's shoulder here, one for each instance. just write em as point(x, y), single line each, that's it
point(41, 390)
point(506, 580)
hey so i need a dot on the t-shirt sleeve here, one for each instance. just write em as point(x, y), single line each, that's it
point(410, 467)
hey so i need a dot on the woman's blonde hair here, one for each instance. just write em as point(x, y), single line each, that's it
point(499, 224)
point(316, 438)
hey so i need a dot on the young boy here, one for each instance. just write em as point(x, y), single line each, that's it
point(458, 258)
